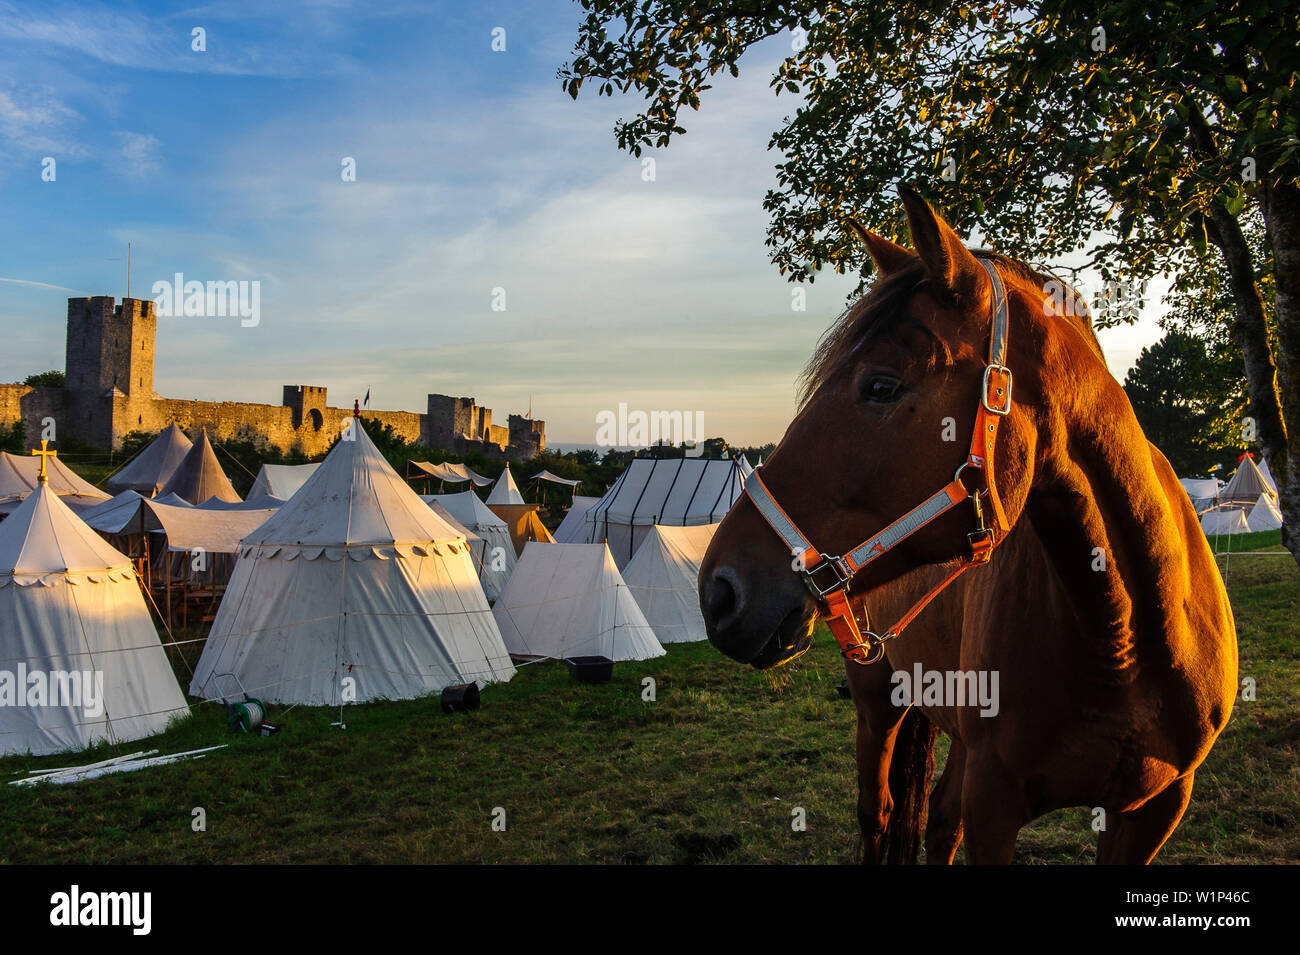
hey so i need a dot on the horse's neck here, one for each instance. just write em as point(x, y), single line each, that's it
point(1100, 513)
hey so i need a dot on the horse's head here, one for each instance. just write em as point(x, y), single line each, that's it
point(891, 398)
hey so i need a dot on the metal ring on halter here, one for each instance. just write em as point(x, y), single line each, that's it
point(877, 646)
point(841, 580)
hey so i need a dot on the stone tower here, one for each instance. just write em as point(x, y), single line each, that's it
point(109, 354)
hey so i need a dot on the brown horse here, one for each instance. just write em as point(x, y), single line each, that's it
point(1099, 611)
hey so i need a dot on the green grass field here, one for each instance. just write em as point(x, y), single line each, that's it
point(710, 771)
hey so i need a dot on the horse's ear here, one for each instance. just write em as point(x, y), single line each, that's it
point(950, 264)
point(888, 257)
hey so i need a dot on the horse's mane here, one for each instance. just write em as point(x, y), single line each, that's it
point(880, 312)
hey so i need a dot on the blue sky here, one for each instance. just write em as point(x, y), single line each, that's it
point(474, 171)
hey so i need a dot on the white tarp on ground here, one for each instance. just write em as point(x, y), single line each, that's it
point(568, 600)
point(70, 603)
point(1264, 516)
point(1202, 491)
point(354, 579)
point(1224, 520)
point(280, 480)
point(664, 575)
point(573, 529)
point(153, 467)
point(678, 491)
point(505, 491)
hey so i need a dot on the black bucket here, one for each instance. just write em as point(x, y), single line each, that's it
point(843, 689)
point(590, 669)
point(460, 698)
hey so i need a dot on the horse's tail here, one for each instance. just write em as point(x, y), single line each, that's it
point(910, 772)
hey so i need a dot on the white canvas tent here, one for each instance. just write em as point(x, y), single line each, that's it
point(448, 472)
point(1246, 485)
point(19, 476)
point(493, 570)
point(472, 513)
point(1267, 475)
point(1224, 520)
point(545, 475)
point(746, 469)
point(681, 492)
point(354, 586)
point(505, 491)
point(1202, 491)
point(568, 600)
point(663, 576)
point(281, 480)
point(573, 529)
point(70, 604)
point(1264, 516)
point(151, 469)
point(199, 476)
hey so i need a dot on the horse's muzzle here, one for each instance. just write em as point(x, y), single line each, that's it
point(771, 629)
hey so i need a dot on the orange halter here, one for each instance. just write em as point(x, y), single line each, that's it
point(857, 642)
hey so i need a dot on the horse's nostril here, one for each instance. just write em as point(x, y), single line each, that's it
point(724, 598)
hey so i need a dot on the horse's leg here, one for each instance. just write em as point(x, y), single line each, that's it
point(878, 722)
point(943, 832)
point(1134, 837)
point(993, 810)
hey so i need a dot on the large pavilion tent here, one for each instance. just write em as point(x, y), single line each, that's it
point(70, 604)
point(681, 492)
point(1224, 520)
point(280, 480)
point(354, 590)
point(1246, 485)
point(149, 471)
point(1265, 515)
point(569, 600)
point(199, 476)
point(663, 577)
point(573, 529)
point(20, 475)
point(505, 491)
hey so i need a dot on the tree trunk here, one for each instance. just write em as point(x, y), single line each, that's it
point(1281, 207)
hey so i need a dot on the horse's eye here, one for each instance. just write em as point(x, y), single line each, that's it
point(882, 389)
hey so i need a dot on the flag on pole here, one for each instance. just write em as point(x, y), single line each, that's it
point(367, 401)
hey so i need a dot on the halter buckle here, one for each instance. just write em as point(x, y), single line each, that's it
point(1004, 407)
point(840, 581)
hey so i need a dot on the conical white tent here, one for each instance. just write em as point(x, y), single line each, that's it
point(505, 491)
point(72, 617)
point(1267, 475)
point(1224, 520)
point(280, 480)
point(199, 476)
point(663, 576)
point(354, 590)
point(1264, 516)
point(681, 492)
point(1246, 485)
point(153, 467)
point(573, 529)
point(746, 469)
point(568, 600)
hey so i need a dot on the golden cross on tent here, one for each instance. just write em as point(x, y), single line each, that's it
point(44, 453)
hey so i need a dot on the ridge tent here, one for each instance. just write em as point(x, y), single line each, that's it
point(681, 492)
point(1264, 516)
point(149, 470)
point(505, 491)
point(70, 604)
point(573, 528)
point(1224, 520)
point(568, 600)
point(199, 476)
point(663, 577)
point(1246, 485)
point(280, 480)
point(1202, 491)
point(355, 584)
